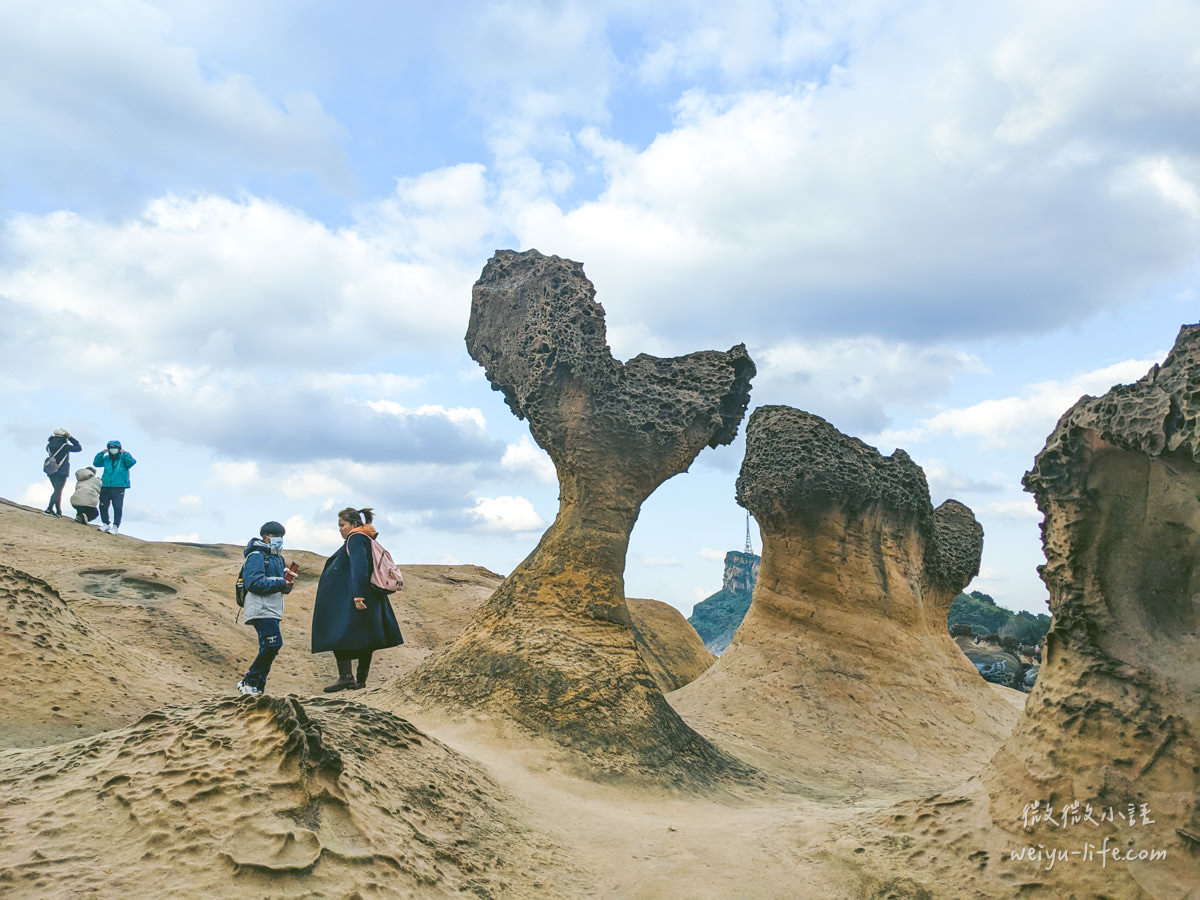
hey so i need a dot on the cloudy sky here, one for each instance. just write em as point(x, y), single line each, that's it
point(241, 238)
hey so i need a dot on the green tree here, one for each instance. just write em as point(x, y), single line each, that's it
point(979, 611)
point(1025, 628)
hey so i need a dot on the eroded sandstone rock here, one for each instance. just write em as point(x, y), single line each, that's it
point(1114, 717)
point(553, 648)
point(844, 662)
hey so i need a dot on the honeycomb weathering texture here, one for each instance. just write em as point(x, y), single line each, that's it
point(797, 463)
point(1113, 719)
point(540, 336)
point(553, 649)
point(846, 638)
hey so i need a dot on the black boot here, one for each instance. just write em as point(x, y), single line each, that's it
point(345, 678)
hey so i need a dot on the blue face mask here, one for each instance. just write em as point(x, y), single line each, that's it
point(276, 544)
point(114, 451)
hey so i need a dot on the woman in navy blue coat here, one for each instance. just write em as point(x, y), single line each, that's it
point(351, 616)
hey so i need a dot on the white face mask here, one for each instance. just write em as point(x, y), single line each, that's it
point(276, 543)
point(114, 451)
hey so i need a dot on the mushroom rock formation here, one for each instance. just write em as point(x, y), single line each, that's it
point(553, 648)
point(1113, 720)
point(844, 663)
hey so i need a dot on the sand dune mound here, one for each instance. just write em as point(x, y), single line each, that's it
point(258, 797)
point(553, 649)
point(672, 651)
point(61, 679)
point(843, 671)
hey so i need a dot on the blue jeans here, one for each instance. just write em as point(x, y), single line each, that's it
point(269, 643)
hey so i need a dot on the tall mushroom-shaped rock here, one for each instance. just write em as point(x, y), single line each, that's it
point(843, 663)
point(1115, 717)
point(553, 648)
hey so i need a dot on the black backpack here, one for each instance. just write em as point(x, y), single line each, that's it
point(239, 592)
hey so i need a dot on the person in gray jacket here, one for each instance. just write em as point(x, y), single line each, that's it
point(86, 498)
point(263, 574)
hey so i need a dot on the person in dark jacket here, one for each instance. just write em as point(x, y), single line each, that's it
point(263, 574)
point(116, 462)
point(59, 447)
point(351, 616)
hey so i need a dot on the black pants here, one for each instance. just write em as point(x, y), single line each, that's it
point(85, 514)
point(57, 481)
point(115, 495)
point(345, 660)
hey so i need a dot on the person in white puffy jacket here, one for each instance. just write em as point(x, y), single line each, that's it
point(86, 498)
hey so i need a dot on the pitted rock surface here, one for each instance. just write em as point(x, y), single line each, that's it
point(553, 649)
point(797, 463)
point(540, 336)
point(250, 797)
point(846, 636)
point(952, 555)
point(1115, 714)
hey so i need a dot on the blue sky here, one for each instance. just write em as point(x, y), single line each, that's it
point(241, 239)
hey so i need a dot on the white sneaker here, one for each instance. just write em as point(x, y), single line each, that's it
point(247, 690)
point(103, 527)
point(112, 530)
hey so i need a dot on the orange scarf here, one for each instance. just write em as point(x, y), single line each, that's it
point(368, 530)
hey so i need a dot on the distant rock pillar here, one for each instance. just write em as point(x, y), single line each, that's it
point(553, 648)
point(1114, 717)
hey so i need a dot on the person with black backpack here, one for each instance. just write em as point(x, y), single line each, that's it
point(266, 579)
point(59, 447)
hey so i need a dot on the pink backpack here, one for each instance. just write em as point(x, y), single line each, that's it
point(385, 574)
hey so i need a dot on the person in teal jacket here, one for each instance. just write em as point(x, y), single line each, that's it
point(116, 462)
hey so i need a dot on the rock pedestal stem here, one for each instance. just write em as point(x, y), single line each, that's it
point(553, 648)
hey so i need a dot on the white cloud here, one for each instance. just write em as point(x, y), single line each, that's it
point(1022, 509)
point(37, 494)
point(525, 458)
point(853, 381)
point(661, 562)
point(309, 482)
point(236, 475)
point(469, 418)
point(305, 534)
point(714, 555)
point(965, 172)
point(190, 538)
point(106, 75)
point(195, 278)
point(1174, 187)
point(506, 514)
point(945, 482)
point(191, 504)
point(1024, 419)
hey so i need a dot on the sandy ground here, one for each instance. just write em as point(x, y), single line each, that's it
point(133, 769)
